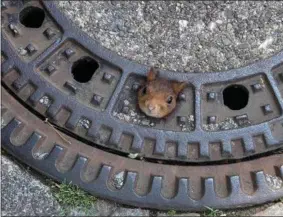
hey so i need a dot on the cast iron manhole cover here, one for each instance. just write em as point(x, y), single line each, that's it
point(219, 148)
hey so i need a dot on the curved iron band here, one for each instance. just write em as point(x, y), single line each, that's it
point(54, 152)
point(105, 118)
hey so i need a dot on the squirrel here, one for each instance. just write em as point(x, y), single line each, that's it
point(157, 97)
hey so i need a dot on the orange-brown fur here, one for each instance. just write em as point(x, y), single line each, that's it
point(157, 98)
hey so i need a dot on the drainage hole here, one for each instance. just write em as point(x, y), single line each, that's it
point(32, 17)
point(83, 69)
point(236, 97)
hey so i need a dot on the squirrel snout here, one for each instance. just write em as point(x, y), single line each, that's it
point(150, 106)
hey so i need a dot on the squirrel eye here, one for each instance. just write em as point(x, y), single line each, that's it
point(144, 91)
point(169, 99)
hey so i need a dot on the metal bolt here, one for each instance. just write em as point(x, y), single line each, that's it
point(13, 28)
point(211, 96)
point(107, 77)
point(267, 109)
point(50, 69)
point(182, 97)
point(31, 49)
point(70, 86)
point(256, 87)
point(49, 33)
point(96, 100)
point(211, 119)
point(242, 119)
point(69, 52)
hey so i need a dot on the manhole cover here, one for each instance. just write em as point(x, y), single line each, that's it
point(216, 149)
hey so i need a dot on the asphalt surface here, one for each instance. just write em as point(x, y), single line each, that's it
point(185, 36)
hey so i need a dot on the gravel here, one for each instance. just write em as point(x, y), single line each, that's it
point(118, 180)
point(185, 36)
point(46, 101)
point(274, 182)
point(85, 123)
point(274, 210)
point(228, 124)
point(23, 194)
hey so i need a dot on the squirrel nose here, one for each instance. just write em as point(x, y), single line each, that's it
point(151, 107)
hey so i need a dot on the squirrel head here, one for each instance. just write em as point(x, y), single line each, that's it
point(158, 97)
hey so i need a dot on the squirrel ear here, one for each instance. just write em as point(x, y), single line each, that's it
point(151, 75)
point(178, 86)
